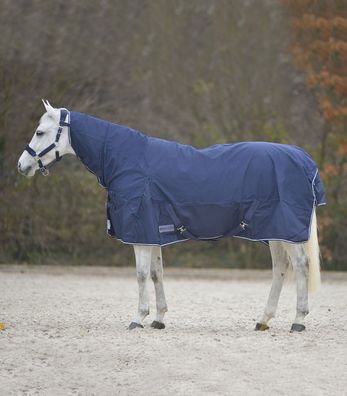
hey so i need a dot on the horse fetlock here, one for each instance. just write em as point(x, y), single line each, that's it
point(302, 313)
point(162, 309)
point(300, 316)
point(161, 313)
point(270, 314)
point(267, 316)
point(143, 312)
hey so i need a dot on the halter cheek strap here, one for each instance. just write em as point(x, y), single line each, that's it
point(37, 156)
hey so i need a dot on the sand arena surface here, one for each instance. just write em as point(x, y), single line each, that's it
point(66, 335)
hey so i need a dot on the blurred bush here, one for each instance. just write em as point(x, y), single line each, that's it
point(200, 72)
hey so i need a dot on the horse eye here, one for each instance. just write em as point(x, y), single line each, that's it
point(39, 133)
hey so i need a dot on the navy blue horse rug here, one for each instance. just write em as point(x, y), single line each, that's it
point(162, 192)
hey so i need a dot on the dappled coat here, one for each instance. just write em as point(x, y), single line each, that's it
point(161, 192)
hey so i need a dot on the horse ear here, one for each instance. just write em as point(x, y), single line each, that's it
point(45, 104)
point(48, 107)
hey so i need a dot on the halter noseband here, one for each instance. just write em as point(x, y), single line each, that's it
point(44, 168)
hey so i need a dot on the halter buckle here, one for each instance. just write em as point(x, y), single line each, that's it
point(44, 171)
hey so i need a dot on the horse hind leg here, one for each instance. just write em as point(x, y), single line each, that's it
point(299, 261)
point(279, 267)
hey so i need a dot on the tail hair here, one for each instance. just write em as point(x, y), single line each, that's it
point(312, 251)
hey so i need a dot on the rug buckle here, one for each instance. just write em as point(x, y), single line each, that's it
point(181, 229)
point(243, 225)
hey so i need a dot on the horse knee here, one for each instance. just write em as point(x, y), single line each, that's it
point(142, 276)
point(154, 276)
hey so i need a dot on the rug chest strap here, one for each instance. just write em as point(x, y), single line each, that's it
point(180, 228)
point(248, 215)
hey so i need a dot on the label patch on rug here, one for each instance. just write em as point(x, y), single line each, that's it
point(166, 228)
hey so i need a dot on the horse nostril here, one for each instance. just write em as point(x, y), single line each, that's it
point(24, 171)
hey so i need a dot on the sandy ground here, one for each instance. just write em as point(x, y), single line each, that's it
point(67, 335)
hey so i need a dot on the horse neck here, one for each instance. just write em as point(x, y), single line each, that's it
point(69, 149)
point(88, 136)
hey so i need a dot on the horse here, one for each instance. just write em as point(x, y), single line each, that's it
point(258, 191)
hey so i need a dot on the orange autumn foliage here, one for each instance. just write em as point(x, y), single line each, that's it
point(325, 28)
point(319, 48)
point(328, 80)
point(329, 171)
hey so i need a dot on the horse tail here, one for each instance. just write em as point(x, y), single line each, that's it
point(312, 252)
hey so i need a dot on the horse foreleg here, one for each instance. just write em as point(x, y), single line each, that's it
point(157, 278)
point(299, 261)
point(143, 255)
point(279, 268)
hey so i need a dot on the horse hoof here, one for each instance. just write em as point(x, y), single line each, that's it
point(133, 325)
point(157, 325)
point(261, 327)
point(297, 327)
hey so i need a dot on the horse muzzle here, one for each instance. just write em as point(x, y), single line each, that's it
point(25, 171)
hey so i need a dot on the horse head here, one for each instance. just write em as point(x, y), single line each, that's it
point(50, 142)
